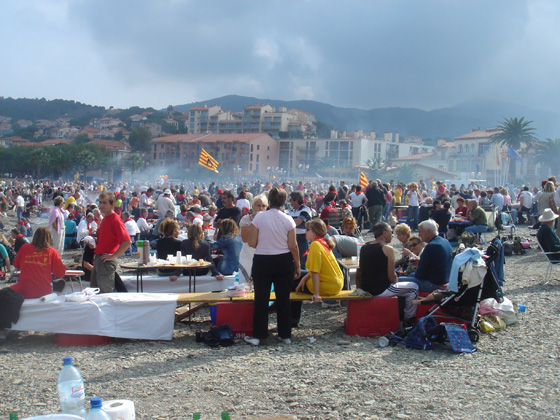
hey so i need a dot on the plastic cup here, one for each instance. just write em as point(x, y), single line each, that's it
point(521, 308)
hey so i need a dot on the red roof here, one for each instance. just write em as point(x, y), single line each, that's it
point(51, 142)
point(111, 144)
point(478, 134)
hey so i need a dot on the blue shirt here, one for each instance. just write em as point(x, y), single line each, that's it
point(498, 200)
point(435, 261)
point(231, 248)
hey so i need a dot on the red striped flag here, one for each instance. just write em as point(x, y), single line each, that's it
point(208, 161)
point(363, 180)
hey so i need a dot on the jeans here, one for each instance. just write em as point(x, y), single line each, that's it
point(476, 229)
point(303, 246)
point(386, 211)
point(412, 217)
point(423, 285)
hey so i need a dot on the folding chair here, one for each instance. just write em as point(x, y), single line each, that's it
point(551, 262)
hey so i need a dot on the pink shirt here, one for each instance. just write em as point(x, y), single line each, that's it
point(273, 226)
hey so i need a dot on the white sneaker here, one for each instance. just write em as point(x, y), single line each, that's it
point(285, 340)
point(252, 341)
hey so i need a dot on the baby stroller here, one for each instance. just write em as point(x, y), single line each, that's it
point(463, 305)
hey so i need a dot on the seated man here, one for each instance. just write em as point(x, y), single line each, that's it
point(442, 215)
point(478, 216)
point(435, 262)
point(346, 245)
point(377, 275)
point(547, 237)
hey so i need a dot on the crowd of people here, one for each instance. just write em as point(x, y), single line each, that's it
point(282, 235)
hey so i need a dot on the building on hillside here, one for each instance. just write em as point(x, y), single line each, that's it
point(6, 128)
point(89, 131)
point(12, 141)
point(237, 153)
point(260, 118)
point(154, 128)
point(54, 142)
point(24, 123)
point(103, 123)
point(119, 149)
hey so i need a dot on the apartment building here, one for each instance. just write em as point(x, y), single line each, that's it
point(237, 153)
point(259, 118)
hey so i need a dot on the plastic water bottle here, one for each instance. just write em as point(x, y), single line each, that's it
point(140, 248)
point(97, 413)
point(71, 390)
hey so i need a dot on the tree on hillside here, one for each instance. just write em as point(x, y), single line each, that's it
point(81, 139)
point(118, 135)
point(140, 139)
point(514, 132)
point(547, 154)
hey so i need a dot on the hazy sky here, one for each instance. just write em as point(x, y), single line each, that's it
point(363, 54)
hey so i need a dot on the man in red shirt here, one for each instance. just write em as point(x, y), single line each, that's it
point(112, 241)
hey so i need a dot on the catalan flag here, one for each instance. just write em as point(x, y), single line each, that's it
point(208, 161)
point(363, 180)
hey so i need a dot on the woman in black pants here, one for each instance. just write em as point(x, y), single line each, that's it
point(273, 235)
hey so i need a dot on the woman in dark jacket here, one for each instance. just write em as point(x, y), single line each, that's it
point(200, 250)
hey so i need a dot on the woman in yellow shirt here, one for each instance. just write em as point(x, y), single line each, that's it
point(324, 277)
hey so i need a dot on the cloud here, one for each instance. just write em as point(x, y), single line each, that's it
point(358, 54)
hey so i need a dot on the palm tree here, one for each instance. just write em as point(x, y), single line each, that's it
point(376, 167)
point(547, 153)
point(407, 173)
point(135, 162)
point(514, 132)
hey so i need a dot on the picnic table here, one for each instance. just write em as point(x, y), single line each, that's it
point(189, 267)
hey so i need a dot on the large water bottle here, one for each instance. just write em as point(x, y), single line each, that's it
point(97, 413)
point(71, 390)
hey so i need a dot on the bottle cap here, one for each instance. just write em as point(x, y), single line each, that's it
point(96, 402)
point(67, 360)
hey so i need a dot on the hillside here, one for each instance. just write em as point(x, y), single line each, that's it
point(445, 122)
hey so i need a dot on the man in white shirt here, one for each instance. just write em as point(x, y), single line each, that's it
point(164, 203)
point(525, 203)
point(145, 200)
point(86, 227)
point(142, 223)
point(130, 225)
point(20, 206)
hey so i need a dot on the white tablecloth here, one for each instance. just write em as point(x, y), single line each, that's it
point(149, 316)
point(157, 284)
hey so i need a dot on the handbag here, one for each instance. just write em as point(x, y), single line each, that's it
point(222, 334)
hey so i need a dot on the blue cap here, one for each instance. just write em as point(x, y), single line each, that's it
point(96, 402)
point(67, 360)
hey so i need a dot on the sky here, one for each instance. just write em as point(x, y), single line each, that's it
point(354, 53)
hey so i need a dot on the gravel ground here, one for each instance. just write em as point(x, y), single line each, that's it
point(514, 374)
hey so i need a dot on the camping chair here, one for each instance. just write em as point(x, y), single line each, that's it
point(553, 259)
point(335, 218)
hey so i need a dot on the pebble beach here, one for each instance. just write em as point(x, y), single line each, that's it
point(324, 374)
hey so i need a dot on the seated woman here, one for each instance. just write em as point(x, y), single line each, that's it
point(323, 277)
point(346, 245)
point(168, 245)
point(19, 239)
point(196, 246)
point(461, 209)
point(415, 246)
point(402, 232)
point(38, 262)
point(230, 244)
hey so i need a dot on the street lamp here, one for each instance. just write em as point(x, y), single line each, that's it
point(303, 169)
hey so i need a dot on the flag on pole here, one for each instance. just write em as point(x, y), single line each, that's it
point(363, 180)
point(208, 161)
point(512, 154)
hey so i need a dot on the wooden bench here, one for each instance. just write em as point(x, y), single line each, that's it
point(202, 299)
